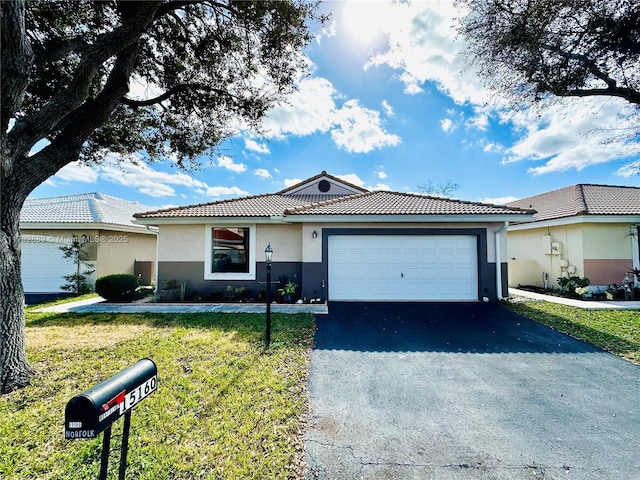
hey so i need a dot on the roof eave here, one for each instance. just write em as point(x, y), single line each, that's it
point(218, 220)
point(86, 226)
point(463, 218)
point(578, 219)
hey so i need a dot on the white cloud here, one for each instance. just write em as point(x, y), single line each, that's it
point(358, 129)
point(225, 192)
point(256, 147)
point(381, 175)
point(447, 125)
point(313, 109)
point(574, 134)
point(422, 46)
point(379, 187)
point(75, 172)
point(388, 110)
point(262, 173)
point(138, 176)
point(310, 110)
point(147, 180)
point(290, 182)
point(566, 134)
point(227, 162)
point(629, 170)
point(498, 200)
point(493, 147)
point(351, 178)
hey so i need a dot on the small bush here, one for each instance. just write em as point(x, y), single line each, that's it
point(117, 287)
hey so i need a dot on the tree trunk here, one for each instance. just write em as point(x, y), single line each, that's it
point(15, 371)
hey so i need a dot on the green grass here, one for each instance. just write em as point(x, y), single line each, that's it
point(224, 408)
point(616, 331)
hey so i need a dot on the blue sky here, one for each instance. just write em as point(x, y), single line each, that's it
point(390, 106)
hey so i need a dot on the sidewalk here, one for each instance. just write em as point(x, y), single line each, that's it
point(585, 304)
point(99, 305)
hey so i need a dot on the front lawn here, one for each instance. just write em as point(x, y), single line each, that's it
point(616, 331)
point(224, 408)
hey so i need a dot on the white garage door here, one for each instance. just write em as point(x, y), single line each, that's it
point(43, 267)
point(403, 268)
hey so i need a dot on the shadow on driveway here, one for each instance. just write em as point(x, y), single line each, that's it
point(437, 327)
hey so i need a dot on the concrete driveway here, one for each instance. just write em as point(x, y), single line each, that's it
point(465, 391)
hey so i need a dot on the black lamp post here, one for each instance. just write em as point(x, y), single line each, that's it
point(268, 252)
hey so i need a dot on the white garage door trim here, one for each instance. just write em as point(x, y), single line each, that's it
point(43, 267)
point(403, 267)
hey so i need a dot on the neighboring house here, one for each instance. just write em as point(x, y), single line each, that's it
point(113, 243)
point(582, 230)
point(338, 241)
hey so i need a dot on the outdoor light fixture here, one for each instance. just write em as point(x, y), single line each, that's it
point(314, 234)
point(268, 252)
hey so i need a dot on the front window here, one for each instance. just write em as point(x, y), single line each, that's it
point(230, 253)
point(230, 250)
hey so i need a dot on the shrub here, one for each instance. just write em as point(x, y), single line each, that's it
point(568, 285)
point(117, 287)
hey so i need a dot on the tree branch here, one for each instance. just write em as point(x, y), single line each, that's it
point(82, 122)
point(17, 58)
point(588, 63)
point(629, 94)
point(184, 87)
point(52, 116)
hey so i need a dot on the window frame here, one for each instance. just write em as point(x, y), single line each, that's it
point(208, 259)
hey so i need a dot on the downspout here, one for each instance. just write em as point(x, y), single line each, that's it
point(156, 273)
point(497, 234)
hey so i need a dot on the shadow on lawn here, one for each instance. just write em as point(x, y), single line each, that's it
point(606, 341)
point(296, 325)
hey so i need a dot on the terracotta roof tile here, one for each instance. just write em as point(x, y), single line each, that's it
point(395, 203)
point(370, 203)
point(583, 199)
point(254, 206)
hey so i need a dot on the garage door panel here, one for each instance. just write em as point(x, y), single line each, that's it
point(43, 266)
point(403, 268)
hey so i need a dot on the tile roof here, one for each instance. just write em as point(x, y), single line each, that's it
point(369, 203)
point(583, 199)
point(83, 208)
point(254, 206)
point(395, 203)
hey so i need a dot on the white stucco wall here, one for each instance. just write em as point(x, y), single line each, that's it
point(181, 243)
point(607, 241)
point(531, 245)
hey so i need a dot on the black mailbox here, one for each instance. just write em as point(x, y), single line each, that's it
point(90, 413)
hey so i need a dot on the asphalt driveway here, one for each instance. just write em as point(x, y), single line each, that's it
point(465, 391)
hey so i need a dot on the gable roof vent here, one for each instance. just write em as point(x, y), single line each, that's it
point(324, 186)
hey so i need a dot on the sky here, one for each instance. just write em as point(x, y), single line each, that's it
point(391, 105)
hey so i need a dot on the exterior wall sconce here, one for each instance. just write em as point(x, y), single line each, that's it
point(314, 234)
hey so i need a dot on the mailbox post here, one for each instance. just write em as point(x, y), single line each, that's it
point(92, 412)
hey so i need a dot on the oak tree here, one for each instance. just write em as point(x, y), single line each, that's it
point(68, 69)
point(529, 49)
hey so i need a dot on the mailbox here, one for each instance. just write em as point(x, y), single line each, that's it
point(90, 413)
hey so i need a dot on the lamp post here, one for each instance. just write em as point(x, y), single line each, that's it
point(268, 252)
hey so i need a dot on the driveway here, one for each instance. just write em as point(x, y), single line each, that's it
point(465, 391)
